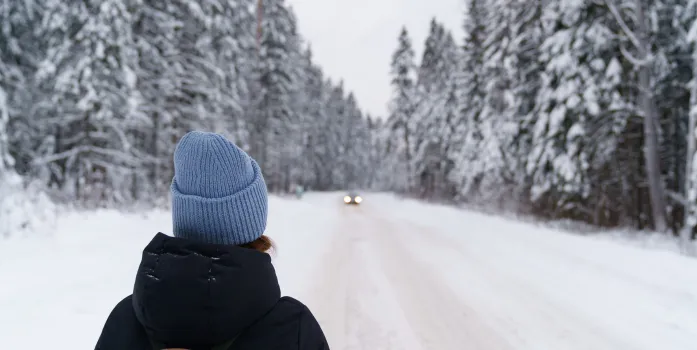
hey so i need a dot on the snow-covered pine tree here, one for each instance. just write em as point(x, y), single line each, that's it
point(671, 64)
point(402, 108)
point(232, 26)
point(525, 69)
point(379, 174)
point(469, 167)
point(425, 116)
point(94, 85)
point(383, 178)
point(22, 204)
point(371, 153)
point(322, 141)
point(432, 133)
point(201, 92)
point(297, 127)
point(275, 82)
point(155, 28)
point(6, 162)
point(496, 52)
point(311, 108)
point(352, 137)
point(8, 178)
point(432, 72)
point(21, 207)
point(558, 159)
point(639, 52)
point(22, 49)
point(335, 134)
point(689, 17)
point(580, 113)
point(291, 142)
point(362, 163)
point(493, 179)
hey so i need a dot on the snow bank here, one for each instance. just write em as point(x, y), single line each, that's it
point(645, 240)
point(641, 239)
point(85, 263)
point(23, 210)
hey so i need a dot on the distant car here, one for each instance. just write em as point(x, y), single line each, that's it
point(353, 198)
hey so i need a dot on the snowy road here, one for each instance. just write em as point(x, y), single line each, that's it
point(389, 274)
point(375, 293)
point(404, 275)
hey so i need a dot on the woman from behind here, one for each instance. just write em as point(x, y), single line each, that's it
point(212, 286)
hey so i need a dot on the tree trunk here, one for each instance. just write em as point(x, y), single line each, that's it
point(409, 186)
point(155, 177)
point(690, 191)
point(653, 166)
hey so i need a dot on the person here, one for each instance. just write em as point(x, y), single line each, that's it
point(211, 285)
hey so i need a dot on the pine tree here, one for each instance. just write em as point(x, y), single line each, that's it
point(376, 173)
point(159, 84)
point(640, 41)
point(690, 186)
point(275, 84)
point(525, 70)
point(22, 50)
point(6, 162)
point(671, 67)
point(335, 133)
point(362, 163)
point(232, 25)
point(22, 205)
point(435, 88)
point(8, 178)
point(402, 108)
point(469, 167)
point(435, 65)
point(313, 116)
point(494, 171)
point(352, 137)
point(96, 90)
point(581, 114)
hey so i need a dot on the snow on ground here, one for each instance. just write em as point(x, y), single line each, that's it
point(389, 274)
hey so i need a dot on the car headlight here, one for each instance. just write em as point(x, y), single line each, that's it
point(347, 199)
point(359, 199)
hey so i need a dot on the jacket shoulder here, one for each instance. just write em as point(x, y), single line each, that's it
point(292, 304)
point(310, 333)
point(289, 325)
point(122, 329)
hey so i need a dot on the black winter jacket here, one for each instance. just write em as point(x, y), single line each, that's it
point(200, 296)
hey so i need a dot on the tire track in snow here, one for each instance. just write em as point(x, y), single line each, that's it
point(436, 312)
point(351, 300)
point(372, 294)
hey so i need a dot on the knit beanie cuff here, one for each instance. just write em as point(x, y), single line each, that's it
point(236, 219)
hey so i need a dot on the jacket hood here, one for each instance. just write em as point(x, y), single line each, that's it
point(198, 295)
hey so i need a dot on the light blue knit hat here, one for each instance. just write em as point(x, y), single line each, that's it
point(218, 192)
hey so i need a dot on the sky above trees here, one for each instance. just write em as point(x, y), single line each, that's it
point(354, 39)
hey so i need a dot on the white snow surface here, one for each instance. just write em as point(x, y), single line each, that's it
point(388, 274)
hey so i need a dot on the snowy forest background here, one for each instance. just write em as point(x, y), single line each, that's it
point(561, 109)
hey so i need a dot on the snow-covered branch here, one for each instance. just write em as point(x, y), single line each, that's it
point(634, 60)
point(638, 44)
